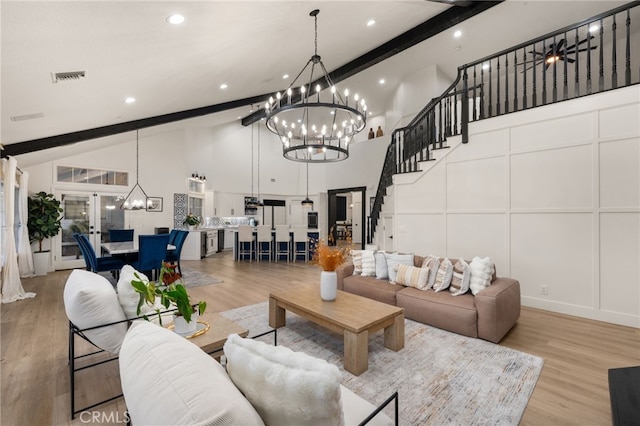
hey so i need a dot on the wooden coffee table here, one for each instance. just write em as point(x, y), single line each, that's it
point(351, 315)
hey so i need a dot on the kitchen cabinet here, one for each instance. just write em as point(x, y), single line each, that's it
point(194, 247)
point(229, 235)
point(209, 205)
point(228, 204)
point(212, 241)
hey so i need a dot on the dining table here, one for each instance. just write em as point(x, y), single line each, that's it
point(125, 248)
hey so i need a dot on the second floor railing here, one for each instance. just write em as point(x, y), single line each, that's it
point(592, 56)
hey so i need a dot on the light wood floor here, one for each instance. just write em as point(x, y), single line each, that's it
point(572, 389)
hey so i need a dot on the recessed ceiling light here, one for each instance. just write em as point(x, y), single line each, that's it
point(381, 81)
point(129, 100)
point(485, 66)
point(593, 28)
point(175, 19)
point(223, 86)
point(457, 34)
point(371, 22)
point(284, 77)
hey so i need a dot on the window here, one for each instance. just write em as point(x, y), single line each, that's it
point(196, 186)
point(68, 174)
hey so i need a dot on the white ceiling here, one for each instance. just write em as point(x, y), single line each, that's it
point(128, 49)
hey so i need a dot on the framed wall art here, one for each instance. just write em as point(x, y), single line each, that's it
point(154, 204)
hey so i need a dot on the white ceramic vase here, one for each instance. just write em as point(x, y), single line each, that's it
point(180, 326)
point(191, 227)
point(328, 285)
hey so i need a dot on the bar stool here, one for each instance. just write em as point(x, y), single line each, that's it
point(264, 237)
point(245, 236)
point(300, 237)
point(283, 237)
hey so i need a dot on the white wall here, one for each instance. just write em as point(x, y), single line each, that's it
point(162, 173)
point(551, 194)
point(415, 91)
point(223, 155)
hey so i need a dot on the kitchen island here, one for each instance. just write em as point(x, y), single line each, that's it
point(312, 234)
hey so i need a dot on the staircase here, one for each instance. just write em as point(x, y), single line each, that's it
point(586, 58)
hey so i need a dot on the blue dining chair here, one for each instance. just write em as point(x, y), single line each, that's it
point(174, 255)
point(172, 236)
point(152, 250)
point(94, 263)
point(119, 235)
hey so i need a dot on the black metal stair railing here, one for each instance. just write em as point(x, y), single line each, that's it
point(592, 56)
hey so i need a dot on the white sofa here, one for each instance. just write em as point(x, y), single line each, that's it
point(167, 380)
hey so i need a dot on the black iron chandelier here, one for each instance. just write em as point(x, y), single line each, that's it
point(315, 125)
point(137, 199)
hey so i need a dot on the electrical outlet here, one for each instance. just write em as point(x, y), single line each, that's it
point(544, 290)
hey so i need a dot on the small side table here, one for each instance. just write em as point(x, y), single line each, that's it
point(219, 329)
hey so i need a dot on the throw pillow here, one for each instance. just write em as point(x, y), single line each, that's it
point(167, 380)
point(356, 257)
point(129, 299)
point(412, 276)
point(443, 275)
point(89, 301)
point(368, 264)
point(382, 273)
point(285, 387)
point(481, 274)
point(126, 294)
point(393, 260)
point(460, 279)
point(433, 263)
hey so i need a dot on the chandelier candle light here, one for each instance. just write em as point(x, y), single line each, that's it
point(137, 199)
point(315, 125)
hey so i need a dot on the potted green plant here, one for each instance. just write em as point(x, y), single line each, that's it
point(44, 221)
point(191, 221)
point(173, 295)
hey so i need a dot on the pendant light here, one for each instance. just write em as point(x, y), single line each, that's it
point(307, 202)
point(137, 199)
point(253, 201)
point(259, 199)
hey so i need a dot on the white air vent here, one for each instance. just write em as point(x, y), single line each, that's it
point(67, 76)
point(26, 116)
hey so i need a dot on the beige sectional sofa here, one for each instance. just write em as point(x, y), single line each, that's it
point(489, 315)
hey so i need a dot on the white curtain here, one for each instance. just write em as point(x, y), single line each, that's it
point(25, 258)
point(11, 285)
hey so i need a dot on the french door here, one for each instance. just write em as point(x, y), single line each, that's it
point(88, 213)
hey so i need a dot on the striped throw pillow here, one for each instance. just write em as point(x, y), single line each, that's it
point(412, 276)
point(460, 278)
point(443, 275)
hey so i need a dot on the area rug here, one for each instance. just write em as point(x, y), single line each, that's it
point(442, 378)
point(198, 279)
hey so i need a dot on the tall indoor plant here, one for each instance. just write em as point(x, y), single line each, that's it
point(44, 221)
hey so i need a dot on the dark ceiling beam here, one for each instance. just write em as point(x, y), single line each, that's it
point(418, 34)
point(441, 22)
point(114, 129)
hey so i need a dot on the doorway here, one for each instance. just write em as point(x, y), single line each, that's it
point(346, 212)
point(88, 213)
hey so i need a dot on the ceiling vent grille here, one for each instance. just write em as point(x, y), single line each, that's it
point(67, 76)
point(26, 116)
